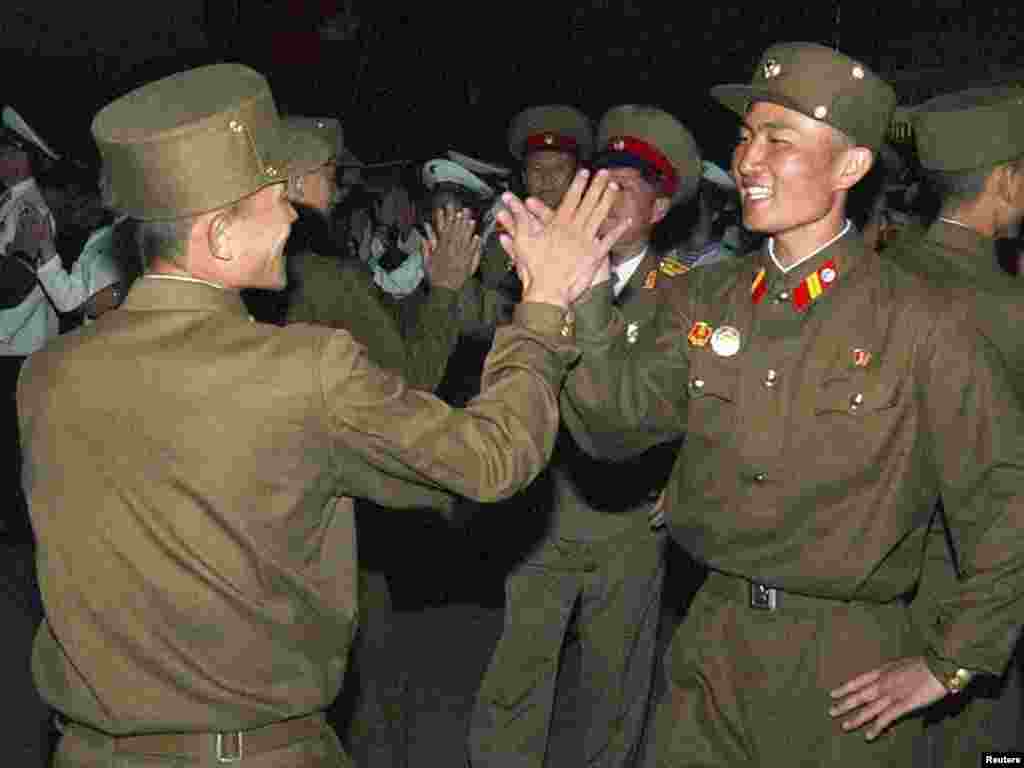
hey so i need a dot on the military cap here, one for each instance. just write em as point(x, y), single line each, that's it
point(441, 171)
point(554, 126)
point(324, 130)
point(197, 141)
point(967, 130)
point(821, 83)
point(652, 140)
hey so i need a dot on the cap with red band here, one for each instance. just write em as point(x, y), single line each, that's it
point(555, 127)
point(649, 154)
point(553, 141)
point(651, 140)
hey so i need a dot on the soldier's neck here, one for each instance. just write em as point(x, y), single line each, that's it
point(625, 253)
point(978, 215)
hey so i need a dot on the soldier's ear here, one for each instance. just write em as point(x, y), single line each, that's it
point(853, 165)
point(219, 236)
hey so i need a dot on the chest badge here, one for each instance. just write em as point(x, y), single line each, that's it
point(725, 341)
point(700, 335)
point(651, 280)
point(861, 358)
point(632, 332)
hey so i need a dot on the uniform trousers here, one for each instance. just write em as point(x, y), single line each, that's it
point(615, 588)
point(82, 747)
point(750, 686)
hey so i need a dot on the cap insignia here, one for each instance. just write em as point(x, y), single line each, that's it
point(772, 68)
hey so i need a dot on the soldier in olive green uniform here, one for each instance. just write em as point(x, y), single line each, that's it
point(827, 397)
point(600, 559)
point(551, 142)
point(981, 184)
point(199, 589)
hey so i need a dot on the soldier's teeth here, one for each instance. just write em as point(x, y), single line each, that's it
point(757, 193)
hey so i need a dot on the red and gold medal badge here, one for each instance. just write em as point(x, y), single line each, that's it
point(861, 358)
point(700, 335)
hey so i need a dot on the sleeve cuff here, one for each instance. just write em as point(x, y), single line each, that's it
point(593, 310)
point(544, 319)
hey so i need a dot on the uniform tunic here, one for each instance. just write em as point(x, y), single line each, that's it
point(596, 550)
point(813, 456)
point(966, 263)
point(182, 464)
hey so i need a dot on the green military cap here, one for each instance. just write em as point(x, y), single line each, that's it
point(197, 141)
point(553, 126)
point(821, 83)
point(651, 139)
point(971, 129)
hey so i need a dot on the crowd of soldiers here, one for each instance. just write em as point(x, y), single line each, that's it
point(781, 405)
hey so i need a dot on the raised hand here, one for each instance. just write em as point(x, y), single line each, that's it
point(557, 253)
point(452, 250)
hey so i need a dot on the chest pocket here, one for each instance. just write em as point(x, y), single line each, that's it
point(860, 417)
point(713, 389)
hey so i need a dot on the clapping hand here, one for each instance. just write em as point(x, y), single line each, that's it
point(451, 251)
point(558, 253)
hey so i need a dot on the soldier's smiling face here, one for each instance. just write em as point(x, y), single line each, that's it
point(786, 169)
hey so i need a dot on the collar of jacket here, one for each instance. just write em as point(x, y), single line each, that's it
point(973, 254)
point(846, 253)
point(155, 294)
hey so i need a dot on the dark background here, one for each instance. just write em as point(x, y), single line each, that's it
point(410, 80)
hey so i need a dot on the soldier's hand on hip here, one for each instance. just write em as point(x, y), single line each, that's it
point(557, 253)
point(454, 249)
point(879, 697)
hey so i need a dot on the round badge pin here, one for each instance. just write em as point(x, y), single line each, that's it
point(828, 275)
point(725, 341)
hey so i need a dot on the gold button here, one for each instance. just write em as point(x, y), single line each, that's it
point(771, 378)
point(858, 72)
point(698, 383)
point(820, 112)
point(856, 401)
point(236, 126)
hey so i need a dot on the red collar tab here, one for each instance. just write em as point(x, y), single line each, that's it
point(650, 155)
point(759, 286)
point(550, 140)
point(815, 284)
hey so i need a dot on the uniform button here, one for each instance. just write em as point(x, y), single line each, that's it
point(698, 383)
point(761, 477)
point(771, 378)
point(856, 401)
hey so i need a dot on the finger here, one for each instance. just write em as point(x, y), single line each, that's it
point(857, 683)
point(573, 195)
point(507, 222)
point(596, 217)
point(593, 195)
point(886, 718)
point(540, 210)
point(522, 219)
point(607, 241)
point(853, 701)
point(866, 715)
point(477, 253)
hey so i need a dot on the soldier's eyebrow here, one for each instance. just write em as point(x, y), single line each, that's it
point(771, 125)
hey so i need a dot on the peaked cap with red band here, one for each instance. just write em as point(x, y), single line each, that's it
point(652, 139)
point(556, 127)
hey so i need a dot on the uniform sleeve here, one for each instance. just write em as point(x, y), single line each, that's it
point(429, 328)
point(486, 451)
point(975, 429)
point(622, 398)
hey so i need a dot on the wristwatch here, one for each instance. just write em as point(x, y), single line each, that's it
point(953, 678)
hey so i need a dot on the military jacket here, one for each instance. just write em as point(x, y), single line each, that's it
point(593, 499)
point(414, 336)
point(181, 466)
point(818, 437)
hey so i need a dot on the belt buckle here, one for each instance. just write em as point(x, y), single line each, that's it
point(763, 597)
point(233, 756)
